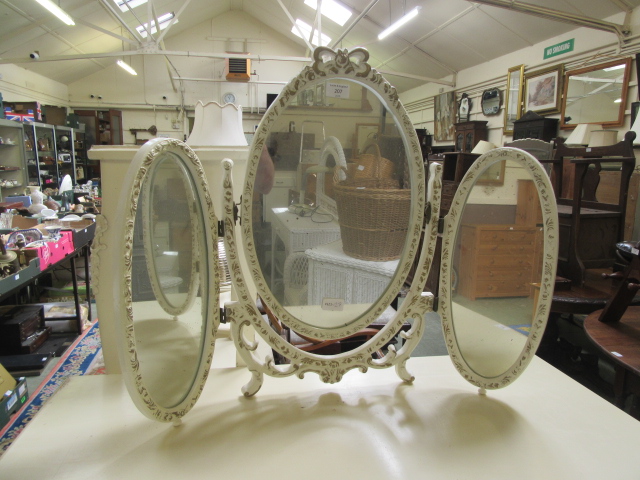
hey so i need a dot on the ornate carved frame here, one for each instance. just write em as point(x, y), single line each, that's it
point(550, 255)
point(331, 65)
point(139, 170)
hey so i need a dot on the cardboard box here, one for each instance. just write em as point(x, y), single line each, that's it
point(12, 400)
point(51, 252)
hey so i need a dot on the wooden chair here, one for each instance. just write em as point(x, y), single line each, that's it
point(589, 228)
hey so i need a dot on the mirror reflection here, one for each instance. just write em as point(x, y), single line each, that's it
point(165, 276)
point(497, 270)
point(330, 232)
point(491, 101)
point(596, 94)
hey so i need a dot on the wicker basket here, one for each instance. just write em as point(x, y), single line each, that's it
point(369, 165)
point(373, 214)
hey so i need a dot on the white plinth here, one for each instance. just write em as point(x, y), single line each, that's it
point(371, 426)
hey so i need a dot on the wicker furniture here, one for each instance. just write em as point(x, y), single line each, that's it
point(333, 274)
point(299, 233)
point(497, 260)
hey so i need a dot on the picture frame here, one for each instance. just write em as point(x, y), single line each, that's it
point(543, 90)
point(444, 116)
point(493, 176)
point(513, 97)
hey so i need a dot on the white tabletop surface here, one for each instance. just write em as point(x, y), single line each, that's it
point(369, 426)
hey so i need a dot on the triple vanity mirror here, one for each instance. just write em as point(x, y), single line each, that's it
point(329, 248)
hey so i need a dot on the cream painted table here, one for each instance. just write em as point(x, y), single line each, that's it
point(371, 426)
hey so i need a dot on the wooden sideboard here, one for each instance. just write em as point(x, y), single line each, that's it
point(497, 260)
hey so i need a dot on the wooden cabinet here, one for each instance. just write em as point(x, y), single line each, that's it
point(498, 260)
point(102, 127)
point(468, 134)
point(12, 159)
point(532, 125)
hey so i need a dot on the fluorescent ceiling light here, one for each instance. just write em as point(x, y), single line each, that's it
point(122, 4)
point(617, 100)
point(393, 27)
point(306, 30)
point(332, 10)
point(163, 21)
point(127, 67)
point(57, 11)
point(615, 67)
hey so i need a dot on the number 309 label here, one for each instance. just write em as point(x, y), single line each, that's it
point(337, 90)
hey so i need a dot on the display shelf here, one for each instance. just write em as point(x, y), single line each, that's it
point(66, 155)
point(42, 164)
point(12, 158)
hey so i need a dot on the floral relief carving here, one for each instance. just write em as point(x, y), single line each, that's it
point(550, 240)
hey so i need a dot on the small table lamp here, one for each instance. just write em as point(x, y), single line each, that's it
point(603, 138)
point(582, 133)
point(483, 147)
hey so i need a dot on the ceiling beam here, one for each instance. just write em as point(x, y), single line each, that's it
point(46, 29)
point(293, 22)
point(354, 23)
point(134, 33)
point(418, 77)
point(105, 31)
point(550, 14)
point(173, 21)
point(149, 50)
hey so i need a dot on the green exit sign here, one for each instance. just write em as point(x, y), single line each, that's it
point(558, 49)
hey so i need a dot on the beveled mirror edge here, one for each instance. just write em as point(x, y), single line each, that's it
point(338, 65)
point(550, 259)
point(127, 207)
point(625, 88)
point(158, 291)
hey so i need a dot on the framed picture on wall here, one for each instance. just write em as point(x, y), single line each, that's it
point(543, 90)
point(444, 116)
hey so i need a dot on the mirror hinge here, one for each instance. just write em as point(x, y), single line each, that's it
point(223, 315)
point(220, 228)
point(441, 225)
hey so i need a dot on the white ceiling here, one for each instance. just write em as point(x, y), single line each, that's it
point(448, 35)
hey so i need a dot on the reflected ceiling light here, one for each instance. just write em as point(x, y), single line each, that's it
point(615, 67)
point(394, 26)
point(617, 100)
point(306, 30)
point(163, 21)
point(125, 66)
point(57, 11)
point(122, 4)
point(332, 10)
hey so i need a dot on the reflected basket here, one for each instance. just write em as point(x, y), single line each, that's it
point(373, 214)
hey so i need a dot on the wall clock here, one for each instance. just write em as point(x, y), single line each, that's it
point(228, 98)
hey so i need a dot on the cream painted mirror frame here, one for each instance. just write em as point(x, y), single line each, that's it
point(549, 262)
point(513, 97)
point(328, 65)
point(134, 184)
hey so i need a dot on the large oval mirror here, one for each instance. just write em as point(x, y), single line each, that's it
point(499, 261)
point(169, 306)
point(329, 234)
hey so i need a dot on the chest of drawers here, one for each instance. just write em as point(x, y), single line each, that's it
point(498, 260)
